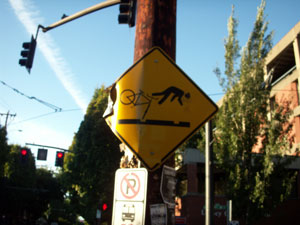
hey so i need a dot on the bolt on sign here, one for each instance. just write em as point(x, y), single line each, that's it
point(154, 107)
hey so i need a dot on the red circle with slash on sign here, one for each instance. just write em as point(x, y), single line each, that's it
point(130, 185)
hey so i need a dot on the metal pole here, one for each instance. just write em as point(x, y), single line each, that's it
point(46, 146)
point(208, 175)
point(229, 212)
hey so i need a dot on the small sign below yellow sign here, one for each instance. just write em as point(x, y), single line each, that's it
point(154, 107)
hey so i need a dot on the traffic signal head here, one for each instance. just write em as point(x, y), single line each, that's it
point(28, 54)
point(127, 12)
point(59, 161)
point(105, 212)
point(24, 155)
point(104, 207)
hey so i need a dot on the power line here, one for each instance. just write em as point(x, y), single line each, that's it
point(43, 115)
point(56, 109)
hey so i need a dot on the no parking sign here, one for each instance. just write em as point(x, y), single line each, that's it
point(130, 197)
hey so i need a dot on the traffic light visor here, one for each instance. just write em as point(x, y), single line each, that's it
point(124, 8)
point(24, 53)
point(26, 45)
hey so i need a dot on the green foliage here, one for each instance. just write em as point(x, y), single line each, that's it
point(92, 162)
point(4, 150)
point(244, 123)
point(20, 174)
point(25, 189)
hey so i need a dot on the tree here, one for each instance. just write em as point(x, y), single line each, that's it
point(25, 191)
point(4, 150)
point(93, 160)
point(48, 189)
point(244, 124)
point(18, 196)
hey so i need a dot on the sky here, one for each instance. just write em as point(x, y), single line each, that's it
point(71, 61)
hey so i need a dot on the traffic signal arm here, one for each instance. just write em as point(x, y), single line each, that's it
point(81, 13)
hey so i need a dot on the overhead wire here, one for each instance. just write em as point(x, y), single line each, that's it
point(43, 115)
point(55, 108)
point(58, 109)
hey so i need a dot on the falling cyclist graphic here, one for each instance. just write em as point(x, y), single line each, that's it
point(177, 93)
point(129, 97)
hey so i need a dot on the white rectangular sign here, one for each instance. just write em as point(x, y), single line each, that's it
point(130, 197)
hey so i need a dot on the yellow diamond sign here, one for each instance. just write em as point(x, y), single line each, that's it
point(154, 107)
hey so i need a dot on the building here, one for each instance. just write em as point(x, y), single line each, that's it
point(283, 74)
point(283, 78)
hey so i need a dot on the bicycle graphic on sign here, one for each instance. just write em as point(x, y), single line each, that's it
point(129, 97)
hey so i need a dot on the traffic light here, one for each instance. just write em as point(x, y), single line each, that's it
point(105, 212)
point(28, 54)
point(127, 12)
point(104, 207)
point(59, 161)
point(24, 155)
point(42, 154)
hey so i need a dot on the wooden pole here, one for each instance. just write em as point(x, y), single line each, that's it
point(156, 26)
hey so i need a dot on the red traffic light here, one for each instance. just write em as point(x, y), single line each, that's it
point(23, 152)
point(60, 155)
point(104, 207)
point(59, 161)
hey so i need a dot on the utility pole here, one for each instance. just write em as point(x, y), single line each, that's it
point(156, 26)
point(7, 115)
